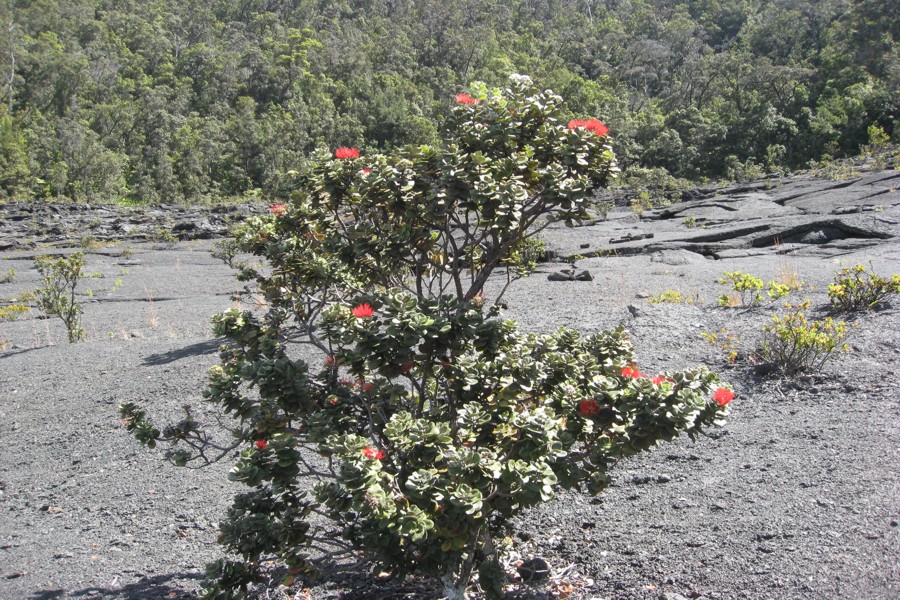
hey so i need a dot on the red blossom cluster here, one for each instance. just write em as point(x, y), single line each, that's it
point(370, 452)
point(261, 444)
point(723, 396)
point(588, 408)
point(278, 209)
point(632, 372)
point(363, 311)
point(591, 125)
point(466, 99)
point(343, 153)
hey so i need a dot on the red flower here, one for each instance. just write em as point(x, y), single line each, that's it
point(344, 153)
point(723, 396)
point(370, 452)
point(592, 125)
point(366, 171)
point(363, 311)
point(588, 408)
point(365, 386)
point(261, 444)
point(660, 379)
point(331, 361)
point(466, 99)
point(278, 209)
point(632, 372)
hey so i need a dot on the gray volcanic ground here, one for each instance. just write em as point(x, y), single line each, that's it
point(798, 496)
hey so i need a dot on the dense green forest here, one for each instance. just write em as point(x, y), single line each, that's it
point(193, 100)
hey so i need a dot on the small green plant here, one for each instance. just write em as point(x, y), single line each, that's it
point(603, 208)
point(672, 297)
point(746, 286)
point(117, 284)
point(878, 139)
point(11, 312)
point(164, 236)
point(690, 222)
point(855, 288)
point(776, 290)
point(724, 340)
point(8, 277)
point(791, 343)
point(833, 169)
point(643, 202)
point(26, 297)
point(226, 250)
point(127, 252)
point(89, 242)
point(56, 297)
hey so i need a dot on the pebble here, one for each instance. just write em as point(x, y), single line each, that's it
point(534, 569)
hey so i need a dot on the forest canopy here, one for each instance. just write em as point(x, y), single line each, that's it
point(190, 100)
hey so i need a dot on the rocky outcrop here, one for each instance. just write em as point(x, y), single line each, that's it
point(797, 214)
point(30, 224)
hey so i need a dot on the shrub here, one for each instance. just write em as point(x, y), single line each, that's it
point(163, 236)
point(746, 289)
point(672, 297)
point(643, 202)
point(438, 419)
point(90, 242)
point(746, 286)
point(56, 297)
point(725, 341)
point(226, 250)
point(854, 288)
point(11, 312)
point(8, 277)
point(603, 208)
point(791, 343)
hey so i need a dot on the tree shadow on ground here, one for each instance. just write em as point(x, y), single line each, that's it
point(168, 587)
point(359, 582)
point(198, 349)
